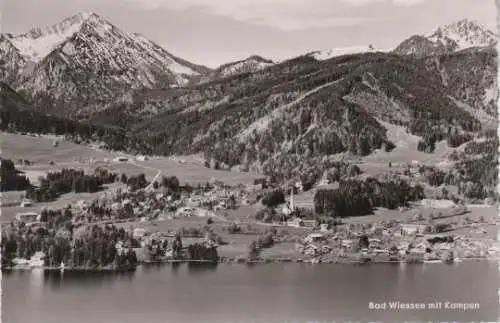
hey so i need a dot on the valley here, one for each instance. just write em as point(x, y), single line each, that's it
point(116, 152)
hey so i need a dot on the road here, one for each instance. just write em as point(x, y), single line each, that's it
point(155, 178)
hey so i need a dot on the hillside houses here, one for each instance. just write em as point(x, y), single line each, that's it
point(302, 223)
point(410, 228)
point(147, 205)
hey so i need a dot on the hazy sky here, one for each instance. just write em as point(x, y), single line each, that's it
point(212, 32)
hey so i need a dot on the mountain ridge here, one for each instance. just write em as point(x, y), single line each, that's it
point(282, 119)
point(453, 37)
point(86, 54)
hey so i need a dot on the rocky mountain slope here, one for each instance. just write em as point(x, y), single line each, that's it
point(11, 60)
point(451, 38)
point(85, 61)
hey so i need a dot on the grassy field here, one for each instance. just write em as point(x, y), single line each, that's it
point(8, 213)
point(41, 151)
point(46, 158)
point(237, 244)
point(195, 173)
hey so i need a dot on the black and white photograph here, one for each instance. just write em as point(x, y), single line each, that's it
point(249, 161)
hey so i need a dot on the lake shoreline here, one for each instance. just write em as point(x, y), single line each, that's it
point(241, 261)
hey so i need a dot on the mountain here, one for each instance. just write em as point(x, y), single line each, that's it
point(252, 64)
point(283, 119)
point(334, 52)
point(85, 61)
point(39, 42)
point(451, 38)
point(471, 76)
point(290, 118)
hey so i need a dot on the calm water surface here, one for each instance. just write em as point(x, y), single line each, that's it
point(237, 293)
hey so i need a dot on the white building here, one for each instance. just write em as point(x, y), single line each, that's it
point(38, 259)
point(314, 237)
point(26, 203)
point(296, 222)
point(139, 233)
point(413, 228)
point(120, 159)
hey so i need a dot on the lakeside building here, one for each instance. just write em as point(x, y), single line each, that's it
point(38, 259)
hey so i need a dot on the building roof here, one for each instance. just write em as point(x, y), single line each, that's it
point(315, 235)
point(26, 214)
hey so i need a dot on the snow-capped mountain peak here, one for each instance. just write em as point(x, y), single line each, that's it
point(464, 34)
point(322, 55)
point(85, 59)
point(39, 42)
point(450, 38)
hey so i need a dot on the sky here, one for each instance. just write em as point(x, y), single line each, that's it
point(213, 32)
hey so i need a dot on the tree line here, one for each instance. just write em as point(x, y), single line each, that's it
point(11, 179)
point(69, 180)
point(359, 197)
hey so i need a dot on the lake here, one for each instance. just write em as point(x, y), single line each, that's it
point(262, 293)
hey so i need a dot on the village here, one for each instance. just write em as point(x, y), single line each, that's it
point(225, 218)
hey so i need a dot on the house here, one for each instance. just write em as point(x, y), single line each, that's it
point(324, 227)
point(309, 223)
point(82, 204)
point(374, 242)
point(120, 159)
point(413, 228)
point(27, 217)
point(347, 243)
point(38, 259)
point(311, 250)
point(185, 211)
point(380, 251)
point(421, 247)
point(139, 233)
point(26, 203)
point(314, 237)
point(295, 222)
